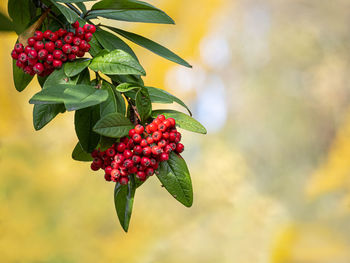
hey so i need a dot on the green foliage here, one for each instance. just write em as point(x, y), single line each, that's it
point(109, 105)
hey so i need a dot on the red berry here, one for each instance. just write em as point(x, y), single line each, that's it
point(72, 57)
point(143, 143)
point(76, 41)
point(127, 154)
point(124, 180)
point(173, 146)
point(114, 165)
point(32, 54)
point(53, 36)
point(119, 158)
point(75, 49)
point(57, 63)
point(14, 54)
point(27, 49)
point(178, 137)
point(92, 29)
point(32, 61)
point(148, 130)
point(88, 37)
point(128, 163)
point(136, 159)
point(156, 122)
point(94, 167)
point(29, 70)
point(61, 32)
point(114, 173)
point(156, 150)
point(172, 122)
point(38, 35)
point(19, 48)
point(161, 118)
point(157, 136)
point(49, 58)
point(19, 64)
point(137, 149)
point(149, 140)
point(80, 53)
point(57, 54)
point(153, 127)
point(147, 151)
point(149, 171)
point(167, 123)
point(139, 129)
point(121, 147)
point(172, 136)
point(23, 57)
point(31, 41)
point(110, 152)
point(167, 149)
point(50, 46)
point(38, 68)
point(47, 34)
point(108, 170)
point(58, 44)
point(67, 48)
point(165, 135)
point(83, 45)
point(42, 54)
point(131, 132)
point(162, 127)
point(145, 161)
point(141, 176)
point(137, 138)
point(162, 143)
point(68, 39)
point(180, 148)
point(164, 157)
point(79, 31)
point(76, 24)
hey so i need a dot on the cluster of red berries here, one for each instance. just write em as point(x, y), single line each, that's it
point(140, 152)
point(47, 51)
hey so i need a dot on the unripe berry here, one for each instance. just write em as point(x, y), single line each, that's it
point(31, 41)
point(141, 176)
point(164, 157)
point(67, 48)
point(121, 147)
point(124, 180)
point(139, 129)
point(57, 63)
point(23, 57)
point(42, 54)
point(179, 148)
point(38, 68)
point(19, 48)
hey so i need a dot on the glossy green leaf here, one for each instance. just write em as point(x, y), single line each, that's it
point(50, 95)
point(20, 79)
point(85, 120)
point(69, 14)
point(82, 96)
point(112, 42)
point(127, 78)
point(74, 68)
point(182, 120)
point(96, 47)
point(84, 77)
point(82, 7)
point(123, 201)
point(152, 46)
point(124, 87)
point(113, 125)
point(116, 62)
point(79, 154)
point(44, 113)
point(5, 23)
point(143, 104)
point(73, 1)
point(110, 105)
point(162, 96)
point(20, 12)
point(175, 177)
point(106, 142)
point(129, 10)
point(59, 77)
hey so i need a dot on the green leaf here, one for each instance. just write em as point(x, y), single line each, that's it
point(49, 95)
point(5, 23)
point(151, 46)
point(120, 102)
point(127, 78)
point(82, 96)
point(69, 14)
point(59, 77)
point(129, 10)
point(74, 68)
point(84, 77)
point(143, 104)
point(113, 125)
point(44, 113)
point(112, 42)
point(125, 87)
point(73, 1)
point(85, 120)
point(161, 96)
point(110, 105)
point(20, 12)
point(78, 154)
point(175, 177)
point(123, 201)
point(96, 47)
point(42, 80)
point(116, 62)
point(20, 79)
point(182, 120)
point(82, 7)
point(106, 142)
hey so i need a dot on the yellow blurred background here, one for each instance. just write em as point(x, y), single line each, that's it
point(271, 179)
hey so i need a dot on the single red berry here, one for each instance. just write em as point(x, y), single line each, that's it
point(29, 70)
point(162, 127)
point(166, 135)
point(164, 157)
point(27, 49)
point(145, 161)
point(57, 63)
point(131, 132)
point(19, 48)
point(178, 137)
point(173, 146)
point(162, 143)
point(94, 167)
point(108, 170)
point(49, 58)
point(139, 129)
point(172, 122)
point(156, 122)
point(88, 36)
point(61, 32)
point(67, 48)
point(76, 24)
point(77, 41)
point(38, 68)
point(153, 127)
point(161, 118)
point(149, 140)
point(42, 54)
point(124, 171)
point(32, 61)
point(127, 154)
point(136, 159)
point(172, 136)
point(32, 54)
point(68, 39)
point(95, 153)
point(124, 180)
point(23, 57)
point(149, 171)
point(47, 34)
point(155, 167)
point(80, 53)
point(31, 41)
point(83, 45)
point(72, 57)
point(137, 138)
point(50, 46)
point(110, 152)
point(86, 27)
point(115, 173)
point(147, 151)
point(53, 36)
point(115, 165)
point(20, 64)
point(156, 150)
point(121, 147)
point(132, 170)
point(167, 123)
point(119, 158)
point(14, 54)
point(143, 143)
point(167, 149)
point(75, 49)
point(38, 35)
point(92, 29)
point(148, 130)
point(128, 163)
point(157, 135)
point(141, 175)
point(179, 148)
point(130, 144)
point(58, 44)
point(57, 54)
point(79, 32)
point(108, 177)
point(137, 149)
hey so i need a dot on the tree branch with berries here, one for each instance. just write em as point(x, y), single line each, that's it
point(88, 68)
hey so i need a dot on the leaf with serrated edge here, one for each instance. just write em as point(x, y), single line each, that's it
point(175, 177)
point(114, 125)
point(182, 120)
point(116, 62)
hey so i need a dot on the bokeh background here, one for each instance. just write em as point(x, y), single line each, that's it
point(271, 179)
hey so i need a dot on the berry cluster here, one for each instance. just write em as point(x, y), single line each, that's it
point(47, 51)
point(140, 152)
